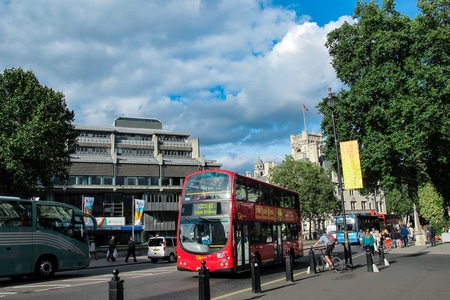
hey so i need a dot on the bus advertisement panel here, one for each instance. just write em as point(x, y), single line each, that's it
point(354, 223)
point(227, 220)
point(41, 238)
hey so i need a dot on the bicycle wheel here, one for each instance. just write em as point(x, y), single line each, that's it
point(338, 265)
point(320, 264)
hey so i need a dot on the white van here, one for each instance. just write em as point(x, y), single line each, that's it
point(162, 247)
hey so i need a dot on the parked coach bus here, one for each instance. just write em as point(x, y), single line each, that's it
point(228, 220)
point(41, 237)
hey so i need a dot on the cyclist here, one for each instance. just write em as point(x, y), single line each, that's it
point(329, 246)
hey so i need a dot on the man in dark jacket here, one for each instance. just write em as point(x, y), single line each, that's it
point(131, 249)
point(432, 235)
point(112, 248)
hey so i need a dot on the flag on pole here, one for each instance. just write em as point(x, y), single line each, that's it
point(351, 165)
point(306, 108)
point(88, 205)
point(138, 211)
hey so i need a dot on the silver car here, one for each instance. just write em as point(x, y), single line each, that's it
point(162, 247)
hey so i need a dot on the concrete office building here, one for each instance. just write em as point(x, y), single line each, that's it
point(133, 159)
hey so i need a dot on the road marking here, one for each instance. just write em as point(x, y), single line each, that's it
point(249, 289)
point(4, 294)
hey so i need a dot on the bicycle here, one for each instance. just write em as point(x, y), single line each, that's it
point(321, 262)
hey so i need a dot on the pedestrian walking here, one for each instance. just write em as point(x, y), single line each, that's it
point(112, 248)
point(369, 241)
point(93, 250)
point(404, 232)
point(431, 233)
point(131, 249)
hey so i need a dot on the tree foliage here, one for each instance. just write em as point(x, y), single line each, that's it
point(398, 202)
point(431, 204)
point(397, 74)
point(314, 185)
point(36, 134)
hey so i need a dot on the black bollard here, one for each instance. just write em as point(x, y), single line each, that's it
point(312, 262)
point(369, 260)
point(289, 271)
point(256, 279)
point(203, 282)
point(115, 286)
point(381, 255)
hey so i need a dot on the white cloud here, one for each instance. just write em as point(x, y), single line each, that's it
point(232, 73)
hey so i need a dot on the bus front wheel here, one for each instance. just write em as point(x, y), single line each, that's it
point(45, 267)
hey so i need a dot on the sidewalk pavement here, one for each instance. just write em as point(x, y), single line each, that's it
point(101, 262)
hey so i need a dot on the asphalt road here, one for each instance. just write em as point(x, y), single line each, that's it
point(417, 272)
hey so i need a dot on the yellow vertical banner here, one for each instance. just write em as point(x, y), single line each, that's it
point(351, 165)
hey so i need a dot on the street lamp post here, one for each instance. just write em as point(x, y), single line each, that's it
point(331, 99)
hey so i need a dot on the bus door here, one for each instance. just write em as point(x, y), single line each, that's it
point(242, 246)
point(278, 244)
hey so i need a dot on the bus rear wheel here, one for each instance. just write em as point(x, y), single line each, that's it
point(45, 267)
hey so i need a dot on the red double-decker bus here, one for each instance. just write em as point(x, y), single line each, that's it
point(228, 220)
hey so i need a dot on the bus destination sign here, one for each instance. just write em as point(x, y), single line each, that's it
point(204, 209)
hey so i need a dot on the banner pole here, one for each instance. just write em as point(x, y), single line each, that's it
point(134, 212)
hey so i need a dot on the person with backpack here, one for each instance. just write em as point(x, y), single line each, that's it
point(328, 241)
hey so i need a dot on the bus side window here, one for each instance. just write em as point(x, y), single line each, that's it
point(241, 194)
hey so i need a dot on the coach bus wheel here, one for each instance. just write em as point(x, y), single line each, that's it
point(45, 267)
point(171, 258)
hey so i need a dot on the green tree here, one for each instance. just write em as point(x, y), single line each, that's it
point(398, 202)
point(314, 185)
point(36, 134)
point(431, 204)
point(397, 74)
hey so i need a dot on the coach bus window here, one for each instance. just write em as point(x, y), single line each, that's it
point(15, 214)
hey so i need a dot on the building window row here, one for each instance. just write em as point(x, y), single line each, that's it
point(92, 150)
point(176, 153)
point(172, 138)
point(132, 137)
point(94, 134)
point(122, 180)
point(134, 152)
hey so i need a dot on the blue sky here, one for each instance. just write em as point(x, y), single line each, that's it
point(233, 73)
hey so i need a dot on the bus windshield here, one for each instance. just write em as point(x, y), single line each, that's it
point(204, 235)
point(213, 185)
point(350, 222)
